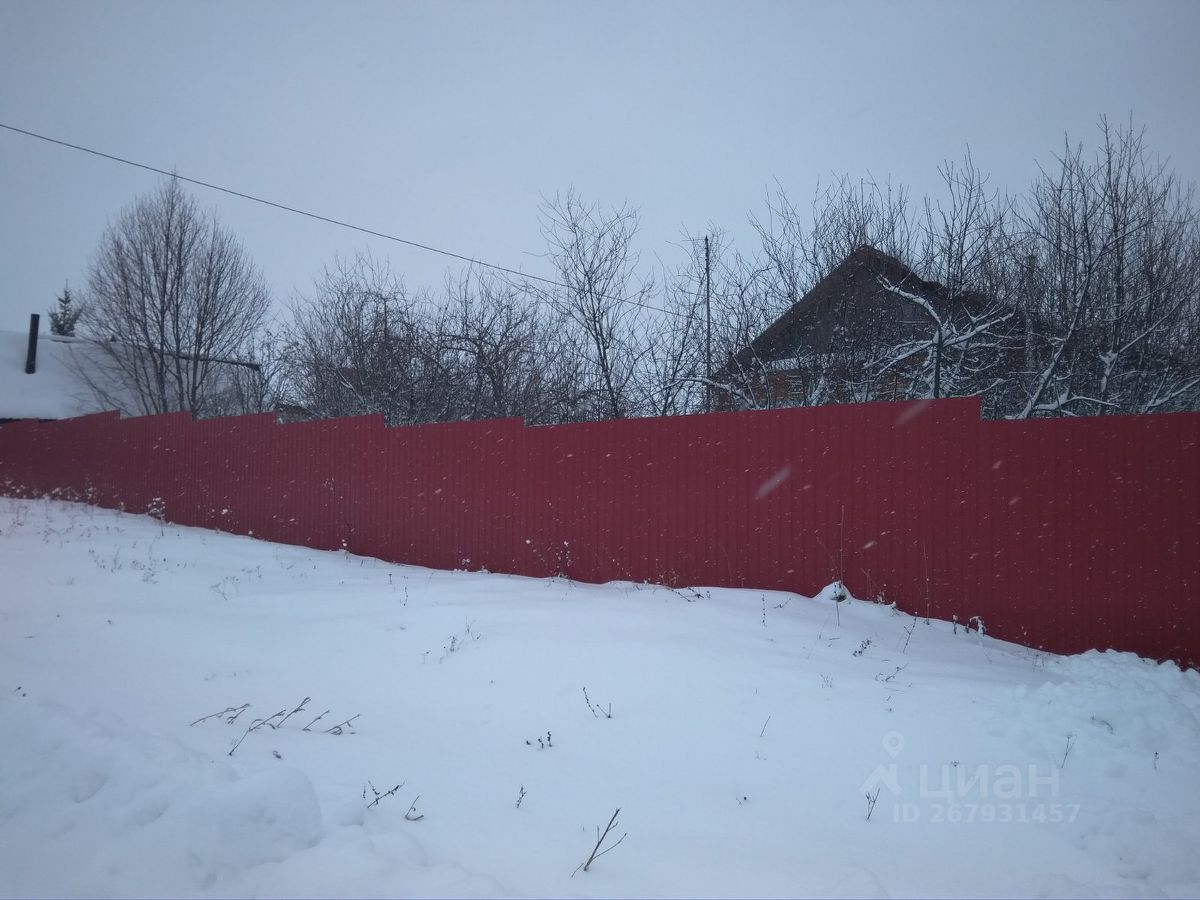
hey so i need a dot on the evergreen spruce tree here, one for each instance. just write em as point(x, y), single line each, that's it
point(63, 319)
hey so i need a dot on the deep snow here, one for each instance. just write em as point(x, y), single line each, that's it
point(746, 729)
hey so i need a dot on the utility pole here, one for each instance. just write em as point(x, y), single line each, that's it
point(707, 329)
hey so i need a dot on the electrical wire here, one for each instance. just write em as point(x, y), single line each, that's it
point(320, 218)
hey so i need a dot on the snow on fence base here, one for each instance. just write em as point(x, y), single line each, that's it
point(1063, 534)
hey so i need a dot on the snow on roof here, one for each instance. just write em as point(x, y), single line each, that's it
point(54, 390)
point(76, 376)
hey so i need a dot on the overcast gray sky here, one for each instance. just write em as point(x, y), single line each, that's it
point(445, 122)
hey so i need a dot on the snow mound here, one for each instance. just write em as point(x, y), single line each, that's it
point(135, 814)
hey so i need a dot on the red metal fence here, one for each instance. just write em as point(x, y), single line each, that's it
point(1062, 534)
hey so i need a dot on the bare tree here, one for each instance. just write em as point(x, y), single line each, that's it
point(951, 336)
point(359, 345)
point(676, 368)
point(174, 304)
point(506, 359)
point(741, 310)
point(950, 352)
point(1111, 276)
point(1081, 299)
point(797, 251)
point(749, 370)
point(255, 387)
point(593, 253)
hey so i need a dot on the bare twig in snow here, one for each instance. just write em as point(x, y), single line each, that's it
point(412, 815)
point(342, 726)
point(299, 708)
point(379, 796)
point(315, 721)
point(597, 709)
point(258, 723)
point(600, 838)
point(1067, 751)
point(254, 726)
point(236, 710)
point(908, 635)
point(871, 798)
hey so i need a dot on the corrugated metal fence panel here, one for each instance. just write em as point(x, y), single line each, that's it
point(1062, 534)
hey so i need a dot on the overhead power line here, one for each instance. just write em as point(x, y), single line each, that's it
point(320, 218)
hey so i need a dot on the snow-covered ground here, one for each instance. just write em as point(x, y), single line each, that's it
point(746, 731)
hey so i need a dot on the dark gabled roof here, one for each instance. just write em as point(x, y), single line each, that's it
point(849, 298)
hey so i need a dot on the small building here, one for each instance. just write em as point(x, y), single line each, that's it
point(38, 380)
point(45, 376)
point(845, 340)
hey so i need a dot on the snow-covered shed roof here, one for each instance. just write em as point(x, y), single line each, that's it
point(76, 376)
point(54, 390)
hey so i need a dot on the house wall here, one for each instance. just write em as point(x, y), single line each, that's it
point(1063, 534)
point(791, 387)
